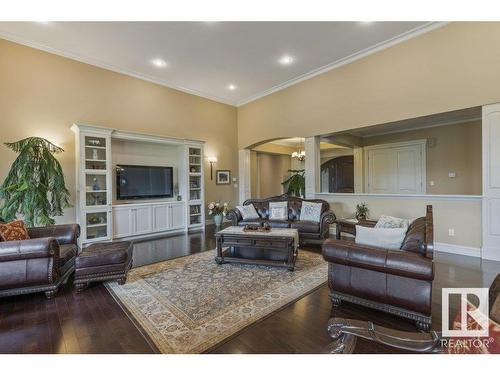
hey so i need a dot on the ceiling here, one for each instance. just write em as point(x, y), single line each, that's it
point(206, 58)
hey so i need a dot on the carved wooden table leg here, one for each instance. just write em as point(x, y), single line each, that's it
point(219, 259)
point(291, 256)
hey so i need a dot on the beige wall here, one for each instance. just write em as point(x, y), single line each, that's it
point(452, 148)
point(450, 68)
point(463, 216)
point(271, 171)
point(42, 94)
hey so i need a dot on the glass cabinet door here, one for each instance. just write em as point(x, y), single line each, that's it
point(95, 153)
point(96, 189)
point(96, 224)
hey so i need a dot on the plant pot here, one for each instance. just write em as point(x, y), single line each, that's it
point(218, 220)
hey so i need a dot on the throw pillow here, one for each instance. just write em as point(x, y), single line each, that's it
point(14, 231)
point(387, 238)
point(278, 210)
point(386, 221)
point(248, 212)
point(310, 211)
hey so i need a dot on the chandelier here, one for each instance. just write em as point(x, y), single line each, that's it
point(300, 155)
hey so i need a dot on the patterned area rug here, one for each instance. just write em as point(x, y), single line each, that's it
point(190, 304)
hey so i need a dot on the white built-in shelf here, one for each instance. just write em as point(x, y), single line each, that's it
point(98, 160)
point(96, 171)
point(195, 173)
point(198, 214)
point(97, 147)
point(97, 225)
point(96, 191)
point(194, 188)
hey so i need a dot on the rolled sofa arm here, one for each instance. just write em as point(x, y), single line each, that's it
point(234, 216)
point(327, 218)
point(395, 262)
point(65, 233)
point(29, 249)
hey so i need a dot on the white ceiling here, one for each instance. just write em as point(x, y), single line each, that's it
point(203, 58)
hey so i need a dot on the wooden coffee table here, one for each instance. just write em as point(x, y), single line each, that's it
point(278, 247)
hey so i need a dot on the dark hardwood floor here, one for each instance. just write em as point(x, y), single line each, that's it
point(92, 322)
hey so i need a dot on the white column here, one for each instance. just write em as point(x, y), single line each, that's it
point(491, 182)
point(312, 166)
point(244, 173)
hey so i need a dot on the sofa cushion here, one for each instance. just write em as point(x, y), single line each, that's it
point(279, 223)
point(305, 226)
point(386, 221)
point(386, 238)
point(14, 231)
point(311, 211)
point(415, 237)
point(278, 210)
point(248, 212)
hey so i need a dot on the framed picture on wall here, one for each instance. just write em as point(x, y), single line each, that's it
point(223, 177)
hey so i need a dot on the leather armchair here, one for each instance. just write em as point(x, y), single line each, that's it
point(309, 231)
point(394, 281)
point(40, 264)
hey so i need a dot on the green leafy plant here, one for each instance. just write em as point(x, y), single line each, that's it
point(34, 186)
point(362, 211)
point(296, 183)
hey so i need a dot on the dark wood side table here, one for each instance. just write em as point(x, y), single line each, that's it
point(349, 226)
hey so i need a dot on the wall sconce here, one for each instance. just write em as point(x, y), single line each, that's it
point(212, 160)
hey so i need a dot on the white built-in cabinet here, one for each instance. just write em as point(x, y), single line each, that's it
point(140, 219)
point(102, 218)
point(396, 168)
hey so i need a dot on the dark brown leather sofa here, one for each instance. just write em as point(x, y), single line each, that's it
point(309, 231)
point(394, 281)
point(40, 264)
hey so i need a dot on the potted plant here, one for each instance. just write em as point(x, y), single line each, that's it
point(295, 184)
point(218, 212)
point(34, 186)
point(362, 211)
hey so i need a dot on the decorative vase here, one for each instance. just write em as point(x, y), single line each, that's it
point(218, 220)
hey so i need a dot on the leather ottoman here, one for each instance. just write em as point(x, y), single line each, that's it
point(103, 261)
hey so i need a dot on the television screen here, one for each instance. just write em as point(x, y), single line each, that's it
point(139, 182)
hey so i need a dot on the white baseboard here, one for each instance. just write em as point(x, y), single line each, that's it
point(491, 253)
point(457, 249)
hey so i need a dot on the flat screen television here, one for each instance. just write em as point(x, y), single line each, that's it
point(142, 182)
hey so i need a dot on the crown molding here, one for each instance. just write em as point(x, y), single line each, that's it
point(430, 26)
point(94, 62)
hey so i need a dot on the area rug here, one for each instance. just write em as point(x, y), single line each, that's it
point(190, 304)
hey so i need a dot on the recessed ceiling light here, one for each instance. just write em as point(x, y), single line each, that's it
point(231, 87)
point(286, 60)
point(159, 63)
